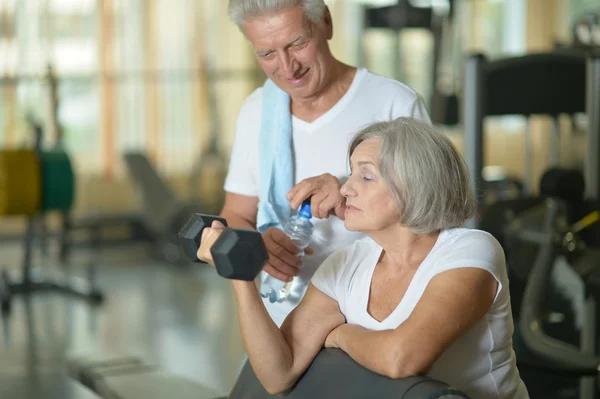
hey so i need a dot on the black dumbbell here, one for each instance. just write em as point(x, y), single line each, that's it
point(239, 254)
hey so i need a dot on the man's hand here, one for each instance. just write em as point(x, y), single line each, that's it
point(209, 236)
point(284, 262)
point(324, 193)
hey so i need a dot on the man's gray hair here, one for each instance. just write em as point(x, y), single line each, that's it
point(426, 175)
point(239, 10)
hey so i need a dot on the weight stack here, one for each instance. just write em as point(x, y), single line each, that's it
point(58, 182)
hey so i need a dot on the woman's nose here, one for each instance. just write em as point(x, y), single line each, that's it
point(346, 190)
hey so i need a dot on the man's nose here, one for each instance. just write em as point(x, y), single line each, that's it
point(289, 66)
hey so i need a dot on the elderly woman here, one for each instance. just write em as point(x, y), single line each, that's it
point(419, 295)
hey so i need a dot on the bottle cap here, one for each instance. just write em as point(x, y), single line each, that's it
point(305, 209)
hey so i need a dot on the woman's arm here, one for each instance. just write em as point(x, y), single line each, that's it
point(280, 356)
point(451, 304)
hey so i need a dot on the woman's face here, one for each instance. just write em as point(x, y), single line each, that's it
point(370, 205)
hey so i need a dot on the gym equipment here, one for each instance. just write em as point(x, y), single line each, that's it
point(20, 183)
point(500, 186)
point(239, 254)
point(592, 166)
point(35, 373)
point(163, 213)
point(443, 101)
point(332, 374)
point(586, 30)
point(555, 237)
point(117, 376)
point(191, 233)
point(31, 184)
point(398, 16)
point(207, 176)
point(549, 84)
point(567, 184)
point(30, 281)
point(58, 181)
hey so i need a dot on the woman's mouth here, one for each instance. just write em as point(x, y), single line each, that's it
point(350, 209)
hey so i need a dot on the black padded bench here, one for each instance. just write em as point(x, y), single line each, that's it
point(333, 374)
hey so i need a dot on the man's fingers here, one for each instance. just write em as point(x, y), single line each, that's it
point(269, 269)
point(278, 243)
point(285, 265)
point(340, 210)
point(302, 191)
point(318, 205)
point(333, 204)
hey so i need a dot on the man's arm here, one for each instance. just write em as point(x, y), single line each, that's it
point(451, 304)
point(280, 357)
point(240, 211)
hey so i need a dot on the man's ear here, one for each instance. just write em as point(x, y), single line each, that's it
point(328, 23)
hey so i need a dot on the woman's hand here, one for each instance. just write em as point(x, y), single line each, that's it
point(333, 339)
point(209, 236)
point(324, 193)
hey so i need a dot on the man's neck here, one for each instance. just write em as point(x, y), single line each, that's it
point(310, 109)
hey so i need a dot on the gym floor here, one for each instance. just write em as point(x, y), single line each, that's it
point(180, 318)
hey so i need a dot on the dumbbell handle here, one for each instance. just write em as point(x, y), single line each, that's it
point(190, 248)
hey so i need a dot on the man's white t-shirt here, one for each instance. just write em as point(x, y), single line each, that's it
point(319, 147)
point(482, 362)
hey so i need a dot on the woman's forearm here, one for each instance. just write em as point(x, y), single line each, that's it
point(375, 350)
point(266, 346)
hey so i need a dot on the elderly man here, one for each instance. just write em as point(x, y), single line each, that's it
point(292, 135)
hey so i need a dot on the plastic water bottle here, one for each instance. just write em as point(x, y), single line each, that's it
point(299, 229)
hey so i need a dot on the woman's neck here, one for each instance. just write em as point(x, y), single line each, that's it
point(404, 249)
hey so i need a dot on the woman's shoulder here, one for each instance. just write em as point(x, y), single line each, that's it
point(461, 237)
point(465, 243)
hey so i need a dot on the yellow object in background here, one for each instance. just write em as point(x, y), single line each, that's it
point(20, 183)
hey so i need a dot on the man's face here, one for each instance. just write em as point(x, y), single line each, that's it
point(292, 51)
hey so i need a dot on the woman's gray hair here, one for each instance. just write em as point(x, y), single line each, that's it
point(426, 175)
point(239, 10)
